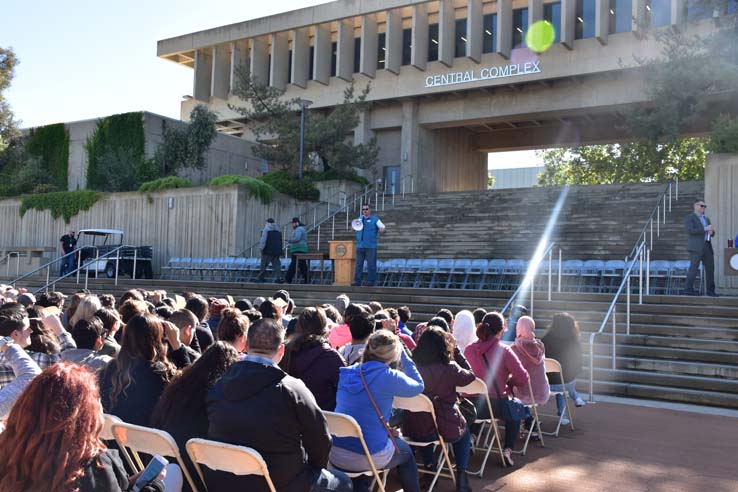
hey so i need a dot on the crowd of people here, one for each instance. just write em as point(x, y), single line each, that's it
point(255, 373)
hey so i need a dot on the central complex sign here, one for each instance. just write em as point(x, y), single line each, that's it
point(486, 73)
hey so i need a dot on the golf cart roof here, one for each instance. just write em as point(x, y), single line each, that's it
point(100, 232)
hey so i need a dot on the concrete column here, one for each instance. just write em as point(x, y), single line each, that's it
point(446, 32)
point(535, 11)
point(504, 27)
point(602, 20)
point(410, 144)
point(639, 15)
point(369, 45)
point(259, 60)
point(239, 59)
point(221, 76)
point(569, 22)
point(300, 57)
point(474, 30)
point(677, 12)
point(393, 41)
point(280, 58)
point(322, 54)
point(203, 74)
point(362, 132)
point(419, 50)
point(721, 180)
point(345, 50)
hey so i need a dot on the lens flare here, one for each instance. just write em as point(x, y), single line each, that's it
point(540, 36)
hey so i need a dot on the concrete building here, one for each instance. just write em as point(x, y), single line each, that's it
point(451, 79)
point(517, 177)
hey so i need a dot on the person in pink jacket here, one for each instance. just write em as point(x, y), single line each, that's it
point(531, 353)
point(501, 369)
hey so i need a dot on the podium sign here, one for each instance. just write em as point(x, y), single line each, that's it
point(731, 261)
point(343, 254)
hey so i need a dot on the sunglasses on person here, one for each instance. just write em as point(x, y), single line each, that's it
point(702, 205)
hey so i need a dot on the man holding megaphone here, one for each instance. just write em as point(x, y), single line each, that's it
point(368, 227)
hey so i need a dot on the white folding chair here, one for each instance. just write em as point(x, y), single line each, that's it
point(535, 425)
point(135, 439)
point(492, 438)
point(421, 403)
point(553, 366)
point(341, 425)
point(219, 456)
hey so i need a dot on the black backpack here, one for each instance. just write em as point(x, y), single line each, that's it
point(273, 246)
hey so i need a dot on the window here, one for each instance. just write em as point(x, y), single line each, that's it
point(489, 41)
point(407, 42)
point(520, 25)
point(658, 12)
point(381, 50)
point(311, 68)
point(585, 19)
point(289, 66)
point(460, 38)
point(357, 55)
point(697, 10)
point(334, 55)
point(433, 42)
point(620, 16)
point(552, 14)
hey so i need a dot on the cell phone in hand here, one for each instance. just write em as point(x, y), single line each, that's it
point(150, 473)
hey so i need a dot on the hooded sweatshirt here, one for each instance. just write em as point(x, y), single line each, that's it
point(260, 406)
point(384, 384)
point(531, 353)
point(317, 365)
point(503, 362)
point(263, 241)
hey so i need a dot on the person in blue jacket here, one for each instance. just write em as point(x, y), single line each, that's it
point(382, 352)
point(366, 246)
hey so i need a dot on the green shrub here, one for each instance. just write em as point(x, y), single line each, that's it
point(285, 183)
point(65, 204)
point(168, 183)
point(259, 189)
point(50, 144)
point(724, 136)
point(115, 148)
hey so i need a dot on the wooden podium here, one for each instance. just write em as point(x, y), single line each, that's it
point(343, 254)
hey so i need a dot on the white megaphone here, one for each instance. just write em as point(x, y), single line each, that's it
point(357, 224)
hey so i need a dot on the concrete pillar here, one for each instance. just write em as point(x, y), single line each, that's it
point(322, 54)
point(602, 20)
point(721, 180)
point(419, 50)
point(474, 30)
point(446, 32)
point(203, 74)
point(639, 15)
point(504, 27)
point(280, 58)
point(221, 75)
point(677, 12)
point(569, 22)
point(362, 132)
point(369, 45)
point(410, 144)
point(535, 11)
point(259, 60)
point(300, 57)
point(393, 41)
point(345, 50)
point(239, 59)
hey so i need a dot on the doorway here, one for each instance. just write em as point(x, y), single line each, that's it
point(391, 179)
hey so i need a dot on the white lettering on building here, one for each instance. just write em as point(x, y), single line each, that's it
point(487, 73)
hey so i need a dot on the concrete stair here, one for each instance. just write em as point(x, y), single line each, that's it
point(596, 222)
point(681, 349)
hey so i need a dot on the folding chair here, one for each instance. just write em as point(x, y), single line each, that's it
point(340, 425)
point(493, 274)
point(423, 404)
point(107, 432)
point(479, 388)
point(392, 277)
point(613, 272)
point(679, 271)
point(424, 275)
point(536, 424)
point(591, 276)
point(137, 439)
point(553, 366)
point(570, 273)
point(443, 268)
point(169, 269)
point(409, 273)
point(476, 269)
point(512, 271)
point(660, 276)
point(459, 273)
point(230, 458)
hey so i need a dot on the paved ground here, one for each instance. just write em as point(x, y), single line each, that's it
point(624, 448)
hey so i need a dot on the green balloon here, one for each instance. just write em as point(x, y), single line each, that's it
point(540, 36)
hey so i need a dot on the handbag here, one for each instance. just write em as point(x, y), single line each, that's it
point(511, 409)
point(387, 429)
point(468, 409)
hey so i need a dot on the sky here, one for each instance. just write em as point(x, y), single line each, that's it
point(86, 59)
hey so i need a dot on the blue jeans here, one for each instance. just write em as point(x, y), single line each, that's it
point(407, 470)
point(69, 264)
point(571, 388)
point(461, 450)
point(370, 256)
point(331, 481)
point(512, 427)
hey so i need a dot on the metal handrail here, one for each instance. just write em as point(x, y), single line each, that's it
point(7, 257)
point(611, 311)
point(45, 265)
point(529, 280)
point(655, 211)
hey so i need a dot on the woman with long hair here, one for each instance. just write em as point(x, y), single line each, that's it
point(562, 344)
point(375, 381)
point(309, 357)
point(182, 409)
point(52, 439)
point(441, 375)
point(232, 328)
point(132, 383)
point(86, 309)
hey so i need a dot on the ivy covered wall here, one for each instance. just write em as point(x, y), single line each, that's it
point(50, 144)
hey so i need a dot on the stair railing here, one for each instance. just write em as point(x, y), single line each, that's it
point(7, 258)
point(530, 277)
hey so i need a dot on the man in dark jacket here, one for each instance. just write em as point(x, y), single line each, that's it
point(258, 405)
point(700, 233)
point(270, 246)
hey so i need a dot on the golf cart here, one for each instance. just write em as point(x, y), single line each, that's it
point(92, 244)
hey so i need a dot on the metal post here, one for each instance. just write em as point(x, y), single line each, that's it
point(648, 272)
point(640, 277)
point(135, 259)
point(591, 369)
point(658, 221)
point(412, 185)
point(550, 258)
point(669, 197)
point(614, 334)
point(532, 292)
point(315, 215)
point(376, 198)
point(302, 136)
point(382, 201)
point(403, 189)
point(347, 214)
point(79, 265)
point(48, 272)
point(677, 188)
point(651, 233)
point(333, 229)
point(117, 263)
point(627, 308)
point(559, 289)
point(664, 208)
point(393, 198)
point(318, 247)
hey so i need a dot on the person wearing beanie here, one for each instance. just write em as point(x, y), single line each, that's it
point(298, 244)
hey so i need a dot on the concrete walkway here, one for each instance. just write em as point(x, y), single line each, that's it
point(623, 448)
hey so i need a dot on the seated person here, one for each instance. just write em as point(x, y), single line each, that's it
point(361, 326)
point(88, 335)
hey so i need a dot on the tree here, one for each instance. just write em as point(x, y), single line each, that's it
point(490, 181)
point(327, 132)
point(185, 145)
point(634, 162)
point(8, 125)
